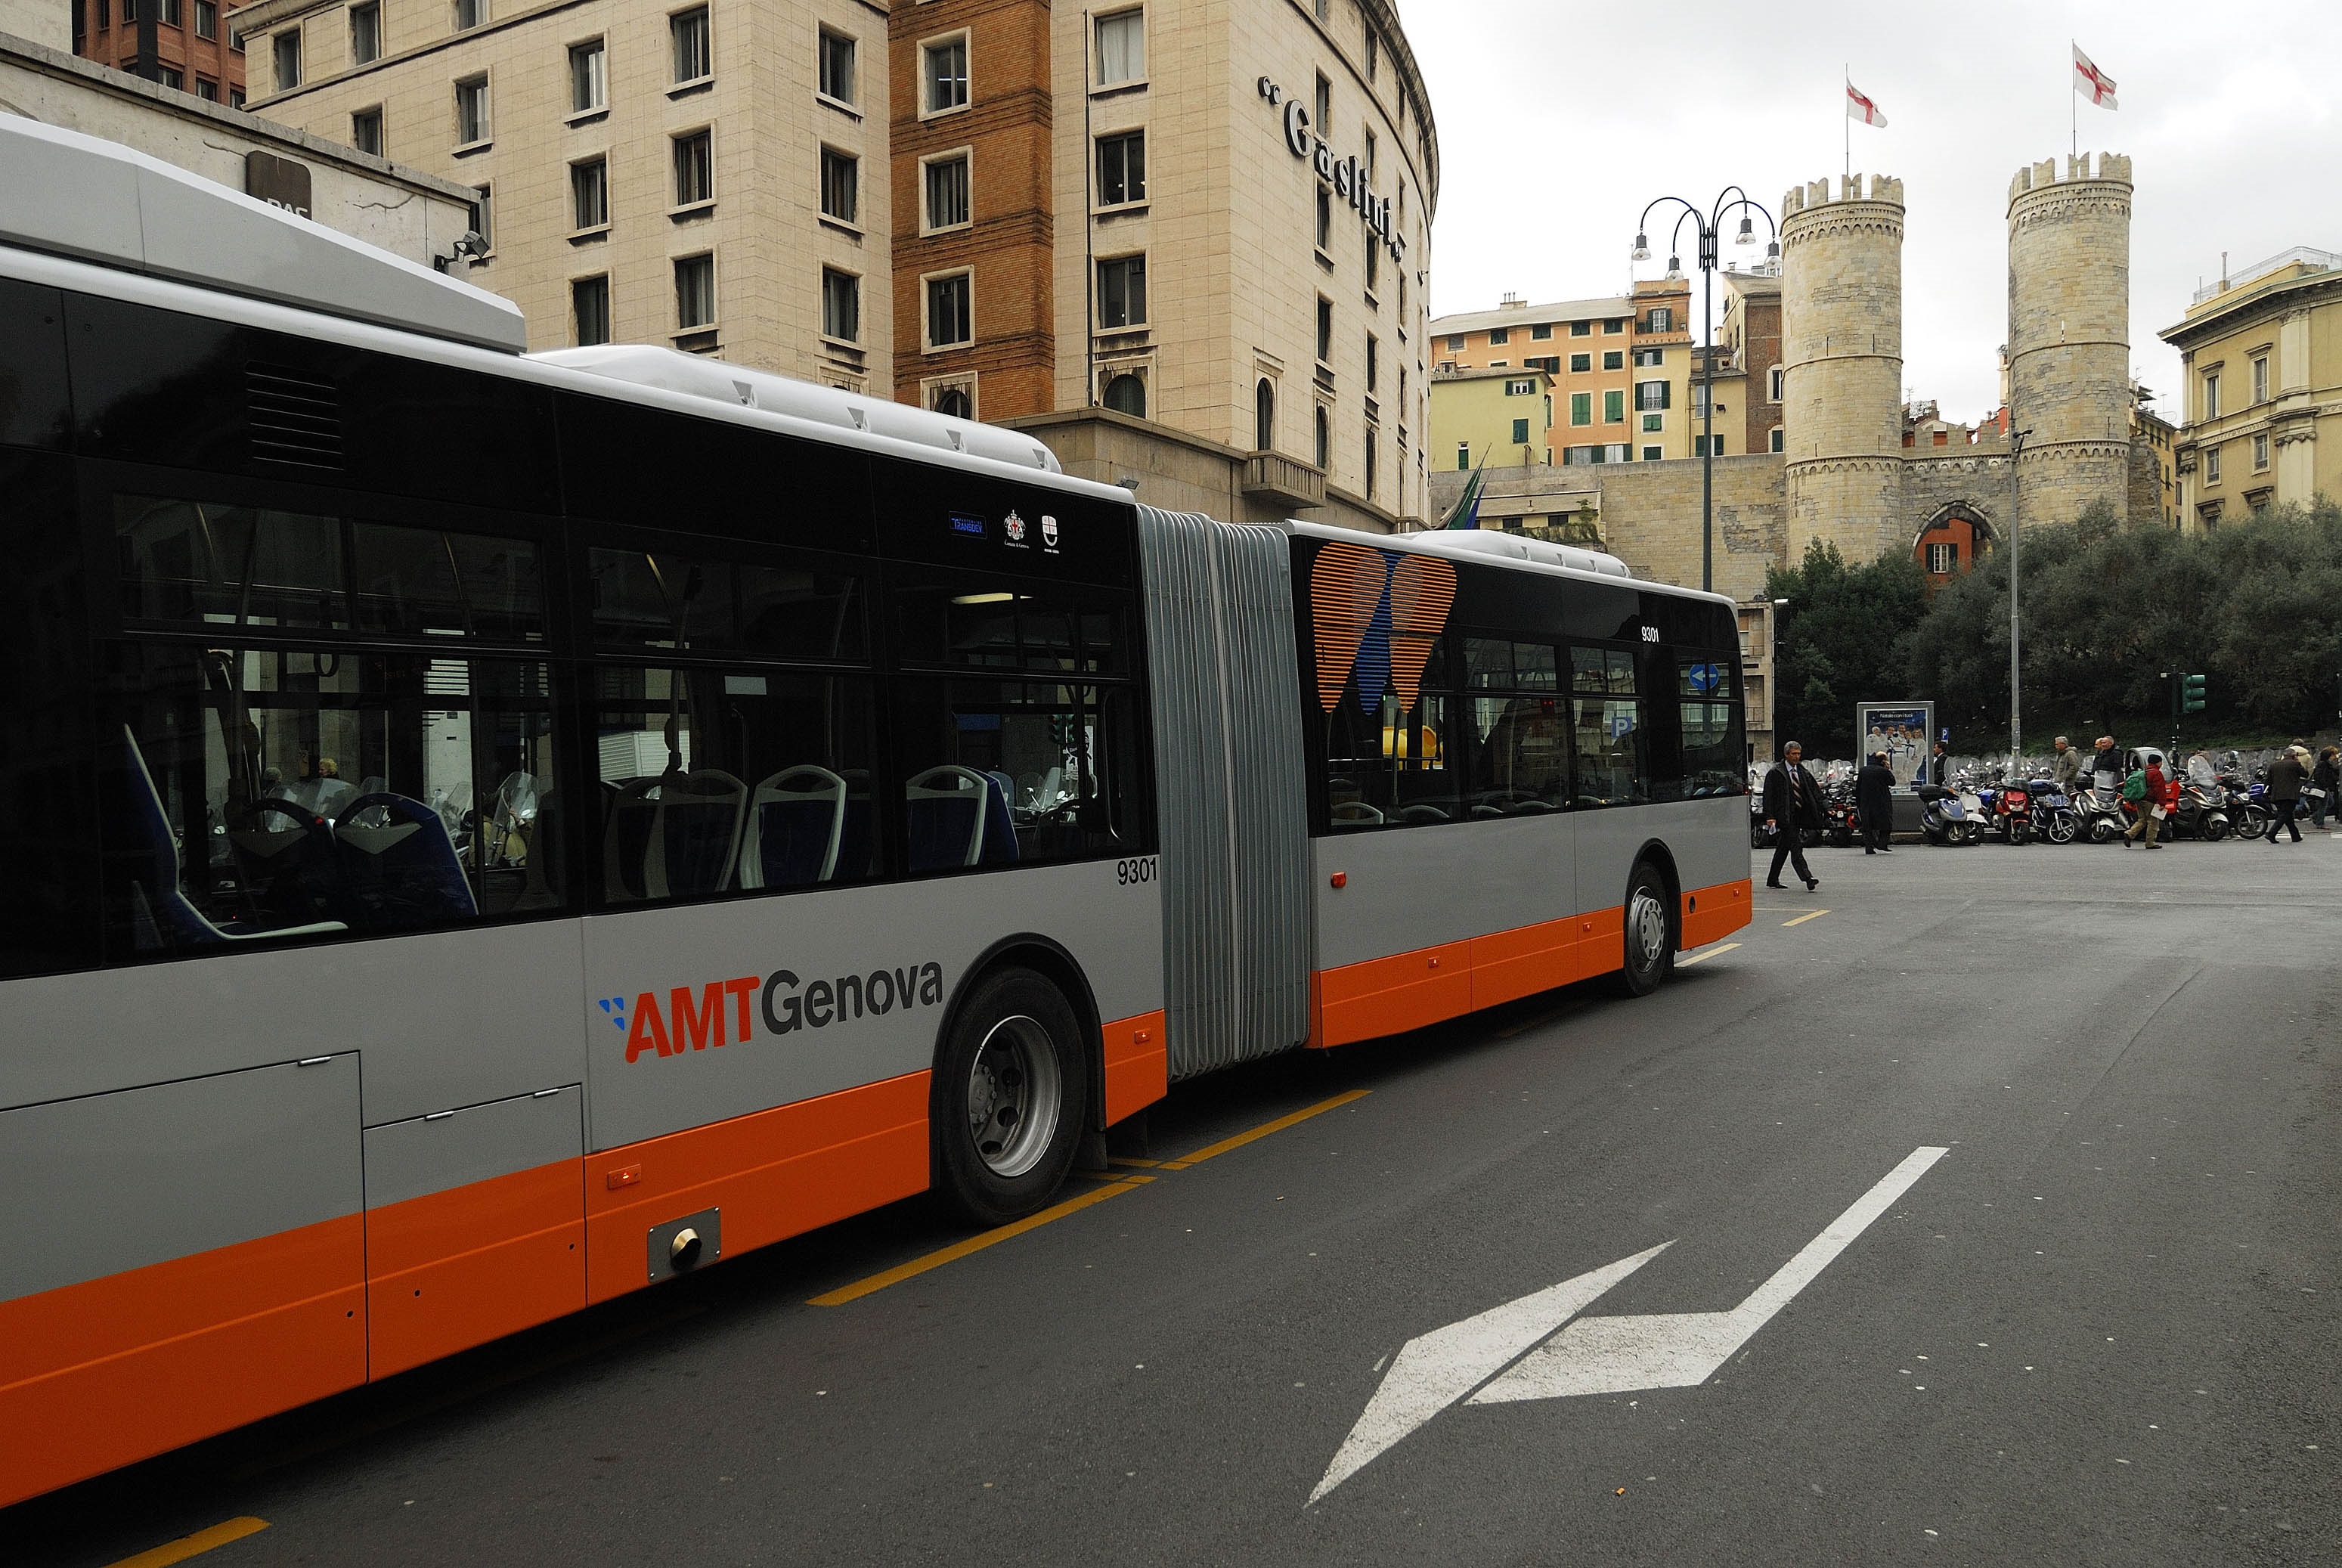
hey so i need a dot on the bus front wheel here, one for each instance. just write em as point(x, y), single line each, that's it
point(1008, 1097)
point(1650, 933)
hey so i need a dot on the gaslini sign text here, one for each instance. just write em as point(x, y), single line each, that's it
point(1346, 177)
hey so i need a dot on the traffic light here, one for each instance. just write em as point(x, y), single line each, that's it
point(2191, 693)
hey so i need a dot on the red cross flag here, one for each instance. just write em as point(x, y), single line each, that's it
point(1858, 107)
point(2092, 83)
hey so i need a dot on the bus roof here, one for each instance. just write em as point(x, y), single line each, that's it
point(78, 195)
point(1496, 549)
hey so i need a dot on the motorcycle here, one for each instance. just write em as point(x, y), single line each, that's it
point(2100, 814)
point(2053, 811)
point(1943, 819)
point(2012, 814)
point(2201, 813)
point(1839, 828)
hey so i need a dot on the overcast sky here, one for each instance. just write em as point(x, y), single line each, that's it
point(1560, 119)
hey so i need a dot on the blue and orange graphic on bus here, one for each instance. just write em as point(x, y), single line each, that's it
point(1379, 615)
point(720, 1012)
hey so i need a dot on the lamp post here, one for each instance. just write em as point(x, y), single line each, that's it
point(1705, 226)
point(1773, 680)
point(2015, 645)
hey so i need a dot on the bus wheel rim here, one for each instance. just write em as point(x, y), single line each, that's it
point(1014, 1096)
point(1649, 923)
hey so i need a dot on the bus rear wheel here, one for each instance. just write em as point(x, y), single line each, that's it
point(1650, 933)
point(1008, 1097)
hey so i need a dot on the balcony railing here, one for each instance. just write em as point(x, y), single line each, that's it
point(1272, 476)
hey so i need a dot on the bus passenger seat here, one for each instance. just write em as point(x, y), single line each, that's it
point(797, 822)
point(400, 867)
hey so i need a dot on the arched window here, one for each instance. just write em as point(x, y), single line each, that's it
point(1325, 439)
point(1264, 415)
point(1125, 394)
point(955, 402)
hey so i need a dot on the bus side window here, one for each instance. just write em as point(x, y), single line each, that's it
point(1012, 773)
point(1610, 765)
point(1706, 689)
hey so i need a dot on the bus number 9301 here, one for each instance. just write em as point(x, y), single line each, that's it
point(1131, 873)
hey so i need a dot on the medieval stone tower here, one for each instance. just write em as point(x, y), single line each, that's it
point(1842, 366)
point(2069, 335)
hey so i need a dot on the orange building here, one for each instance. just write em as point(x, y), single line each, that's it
point(1621, 366)
point(182, 43)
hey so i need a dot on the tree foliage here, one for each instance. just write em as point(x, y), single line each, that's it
point(1842, 636)
point(2109, 609)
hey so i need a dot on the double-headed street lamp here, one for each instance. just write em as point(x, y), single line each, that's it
point(1708, 225)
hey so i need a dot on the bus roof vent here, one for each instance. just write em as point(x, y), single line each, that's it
point(293, 419)
point(696, 375)
point(73, 195)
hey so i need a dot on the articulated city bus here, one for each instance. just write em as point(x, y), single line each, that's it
point(486, 832)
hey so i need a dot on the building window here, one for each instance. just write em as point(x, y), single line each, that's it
point(1122, 169)
point(1520, 433)
point(1127, 393)
point(1324, 107)
point(695, 168)
point(841, 306)
point(366, 131)
point(2211, 465)
point(1581, 362)
point(1373, 260)
point(589, 80)
point(836, 52)
point(1653, 422)
point(1581, 329)
point(471, 111)
point(1581, 408)
point(1371, 444)
point(1373, 362)
point(1520, 389)
point(2261, 379)
point(365, 33)
point(207, 19)
point(1541, 331)
point(1121, 47)
point(1613, 408)
point(1650, 358)
point(946, 192)
point(1773, 386)
point(841, 185)
point(589, 194)
point(1455, 345)
point(1499, 335)
point(1649, 395)
point(1324, 446)
point(954, 401)
point(2212, 394)
point(948, 311)
point(1943, 559)
point(1325, 221)
point(288, 49)
point(208, 90)
point(1773, 440)
point(235, 97)
point(1613, 359)
point(945, 75)
point(1663, 319)
point(1374, 55)
point(1122, 293)
point(589, 310)
point(1264, 415)
point(687, 35)
point(1324, 331)
point(1650, 455)
point(694, 292)
point(1463, 454)
point(1611, 326)
point(1707, 446)
point(484, 214)
point(2260, 452)
point(470, 14)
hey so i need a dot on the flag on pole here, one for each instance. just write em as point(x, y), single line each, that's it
point(2092, 83)
point(1466, 513)
point(1858, 107)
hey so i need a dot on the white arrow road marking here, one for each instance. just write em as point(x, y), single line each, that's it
point(1591, 1355)
point(1680, 1350)
point(1436, 1369)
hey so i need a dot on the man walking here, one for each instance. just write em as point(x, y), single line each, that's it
point(2065, 767)
point(1793, 804)
point(2286, 777)
point(1874, 803)
point(2144, 788)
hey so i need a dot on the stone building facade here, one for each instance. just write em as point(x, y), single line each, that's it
point(1842, 365)
point(184, 44)
point(2069, 386)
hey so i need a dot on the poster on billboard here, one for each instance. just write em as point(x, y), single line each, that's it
point(1901, 731)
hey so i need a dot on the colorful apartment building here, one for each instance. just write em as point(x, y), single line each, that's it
point(1621, 367)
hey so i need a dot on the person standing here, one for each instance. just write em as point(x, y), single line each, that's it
point(2325, 780)
point(2144, 789)
point(1793, 806)
point(2286, 777)
point(1874, 803)
point(2065, 767)
point(2107, 772)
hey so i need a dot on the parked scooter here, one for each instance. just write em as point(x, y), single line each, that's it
point(1943, 819)
point(2202, 813)
point(1839, 828)
point(2012, 814)
point(2054, 815)
point(2100, 814)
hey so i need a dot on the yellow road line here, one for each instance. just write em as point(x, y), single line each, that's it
point(1816, 915)
point(1704, 957)
point(958, 1250)
point(202, 1541)
point(1133, 1160)
point(1263, 1131)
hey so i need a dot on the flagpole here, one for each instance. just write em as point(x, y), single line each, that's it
point(2072, 110)
point(1848, 73)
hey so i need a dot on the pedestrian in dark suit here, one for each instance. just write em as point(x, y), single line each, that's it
point(1793, 807)
point(1874, 803)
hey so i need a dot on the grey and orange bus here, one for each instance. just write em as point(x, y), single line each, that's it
point(487, 832)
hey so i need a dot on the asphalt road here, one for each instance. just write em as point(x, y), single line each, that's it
point(2102, 1328)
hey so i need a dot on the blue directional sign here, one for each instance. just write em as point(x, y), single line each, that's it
point(1705, 679)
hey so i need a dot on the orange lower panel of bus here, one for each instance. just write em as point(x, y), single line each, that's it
point(97, 1374)
point(459, 1268)
point(1137, 1065)
point(1409, 990)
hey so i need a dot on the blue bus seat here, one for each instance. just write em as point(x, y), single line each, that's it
point(796, 824)
point(399, 865)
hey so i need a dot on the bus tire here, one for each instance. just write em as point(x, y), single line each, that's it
point(1650, 936)
point(1007, 1103)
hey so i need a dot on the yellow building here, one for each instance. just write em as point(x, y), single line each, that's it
point(1503, 418)
point(1621, 368)
point(2262, 354)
